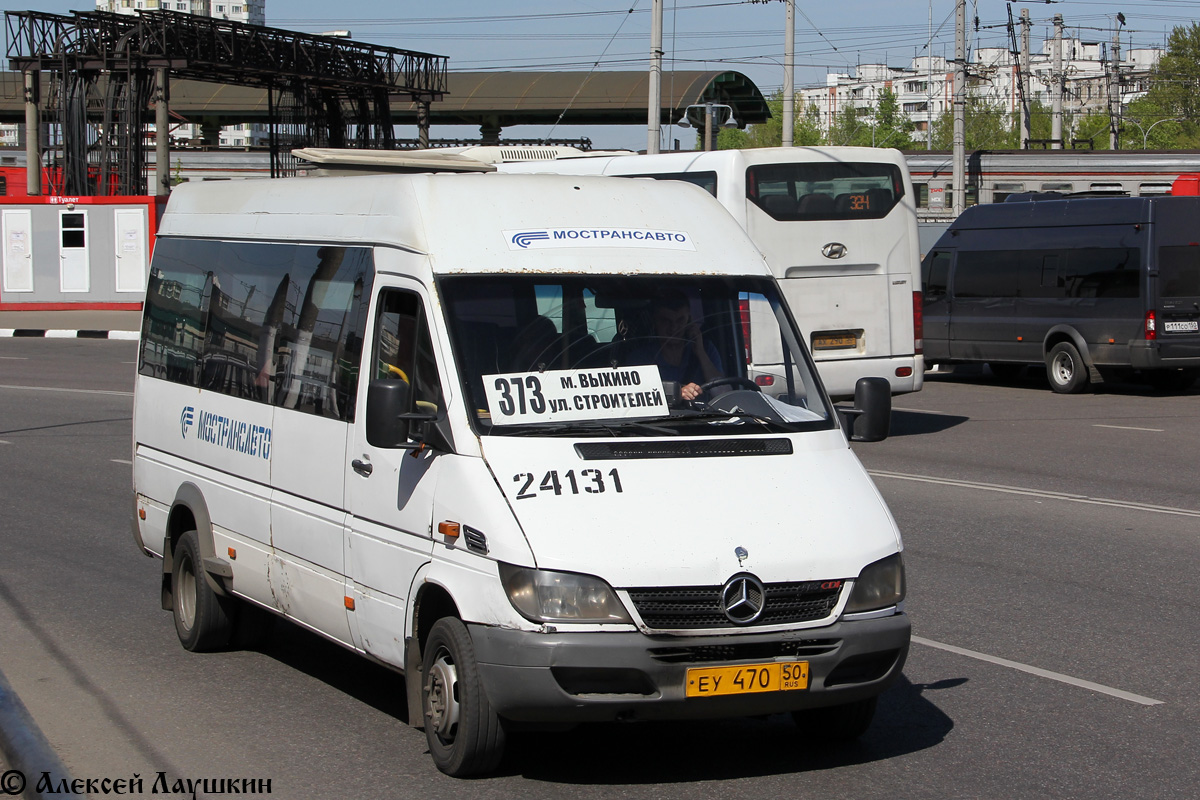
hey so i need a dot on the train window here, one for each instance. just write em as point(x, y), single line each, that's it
point(1058, 187)
point(1003, 190)
point(1107, 187)
point(1154, 188)
point(922, 190)
point(971, 196)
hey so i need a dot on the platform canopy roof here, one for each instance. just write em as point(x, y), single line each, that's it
point(503, 99)
point(491, 100)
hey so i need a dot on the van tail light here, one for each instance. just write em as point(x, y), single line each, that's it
point(744, 315)
point(1151, 325)
point(918, 323)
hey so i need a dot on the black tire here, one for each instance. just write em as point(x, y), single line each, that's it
point(465, 736)
point(836, 724)
point(1173, 380)
point(203, 619)
point(1065, 369)
point(1006, 372)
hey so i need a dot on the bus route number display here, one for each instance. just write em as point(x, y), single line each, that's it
point(579, 394)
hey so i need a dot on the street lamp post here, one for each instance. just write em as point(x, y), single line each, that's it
point(709, 109)
point(1146, 131)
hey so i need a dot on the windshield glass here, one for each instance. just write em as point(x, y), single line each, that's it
point(819, 191)
point(645, 355)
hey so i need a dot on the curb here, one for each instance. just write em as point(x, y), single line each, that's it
point(25, 749)
point(33, 333)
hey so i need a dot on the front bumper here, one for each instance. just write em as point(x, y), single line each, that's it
point(591, 677)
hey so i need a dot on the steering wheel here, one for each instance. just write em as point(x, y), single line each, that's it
point(745, 383)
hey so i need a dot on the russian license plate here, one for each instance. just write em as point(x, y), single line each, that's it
point(1181, 326)
point(831, 341)
point(746, 679)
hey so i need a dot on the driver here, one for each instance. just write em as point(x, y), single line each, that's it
point(677, 346)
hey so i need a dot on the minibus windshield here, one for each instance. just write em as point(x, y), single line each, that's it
point(645, 355)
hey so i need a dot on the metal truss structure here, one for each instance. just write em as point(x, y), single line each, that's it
point(106, 70)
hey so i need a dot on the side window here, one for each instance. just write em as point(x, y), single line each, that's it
point(935, 274)
point(988, 273)
point(277, 323)
point(403, 349)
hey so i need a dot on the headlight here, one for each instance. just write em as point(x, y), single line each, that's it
point(544, 596)
point(879, 585)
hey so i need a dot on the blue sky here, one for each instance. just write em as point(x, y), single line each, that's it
point(697, 34)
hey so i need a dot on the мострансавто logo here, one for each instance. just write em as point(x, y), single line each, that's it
point(232, 434)
point(540, 238)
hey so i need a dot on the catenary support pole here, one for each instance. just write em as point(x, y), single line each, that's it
point(1056, 87)
point(33, 136)
point(162, 135)
point(789, 71)
point(960, 106)
point(654, 107)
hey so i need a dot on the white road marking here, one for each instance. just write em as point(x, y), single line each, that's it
point(923, 411)
point(5, 441)
point(1130, 428)
point(121, 461)
point(1041, 673)
point(73, 391)
point(1073, 498)
point(13, 358)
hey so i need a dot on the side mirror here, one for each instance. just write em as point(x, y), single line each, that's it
point(871, 418)
point(387, 405)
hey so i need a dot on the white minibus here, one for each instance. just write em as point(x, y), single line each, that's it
point(462, 425)
point(838, 227)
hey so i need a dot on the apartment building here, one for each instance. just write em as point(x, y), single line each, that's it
point(925, 88)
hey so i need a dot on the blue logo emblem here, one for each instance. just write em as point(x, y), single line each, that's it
point(186, 420)
point(524, 238)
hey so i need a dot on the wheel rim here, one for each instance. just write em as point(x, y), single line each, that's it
point(1063, 368)
point(441, 696)
point(186, 600)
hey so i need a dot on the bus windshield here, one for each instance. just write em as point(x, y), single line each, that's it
point(824, 190)
point(578, 355)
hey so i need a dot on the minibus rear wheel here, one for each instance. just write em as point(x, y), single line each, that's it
point(465, 735)
point(203, 619)
point(1065, 369)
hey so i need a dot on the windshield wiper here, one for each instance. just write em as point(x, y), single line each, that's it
point(699, 414)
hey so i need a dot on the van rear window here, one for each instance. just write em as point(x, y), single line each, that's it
point(1099, 272)
point(798, 192)
point(1179, 271)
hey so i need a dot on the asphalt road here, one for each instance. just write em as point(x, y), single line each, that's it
point(1051, 546)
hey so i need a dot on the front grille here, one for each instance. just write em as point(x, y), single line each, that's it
point(749, 651)
point(690, 607)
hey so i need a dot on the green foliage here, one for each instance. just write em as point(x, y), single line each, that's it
point(1174, 94)
point(806, 129)
point(986, 127)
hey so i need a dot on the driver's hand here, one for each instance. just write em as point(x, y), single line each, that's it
point(690, 392)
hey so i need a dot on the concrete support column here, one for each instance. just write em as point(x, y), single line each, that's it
point(423, 123)
point(162, 153)
point(33, 136)
point(489, 132)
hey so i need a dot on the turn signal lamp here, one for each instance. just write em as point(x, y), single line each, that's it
point(1151, 325)
point(450, 529)
point(918, 323)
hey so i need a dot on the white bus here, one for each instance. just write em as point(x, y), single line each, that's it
point(838, 227)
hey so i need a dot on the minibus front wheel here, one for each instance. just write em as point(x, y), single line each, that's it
point(203, 619)
point(465, 735)
point(1065, 369)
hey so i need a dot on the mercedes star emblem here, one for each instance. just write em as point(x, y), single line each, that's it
point(743, 599)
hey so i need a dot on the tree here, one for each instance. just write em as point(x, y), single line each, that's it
point(806, 130)
point(851, 127)
point(986, 127)
point(1174, 91)
point(1146, 125)
point(892, 127)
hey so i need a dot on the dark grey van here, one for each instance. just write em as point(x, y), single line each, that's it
point(1087, 286)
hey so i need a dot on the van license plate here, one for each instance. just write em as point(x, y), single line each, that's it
point(1185, 326)
point(746, 679)
point(839, 341)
